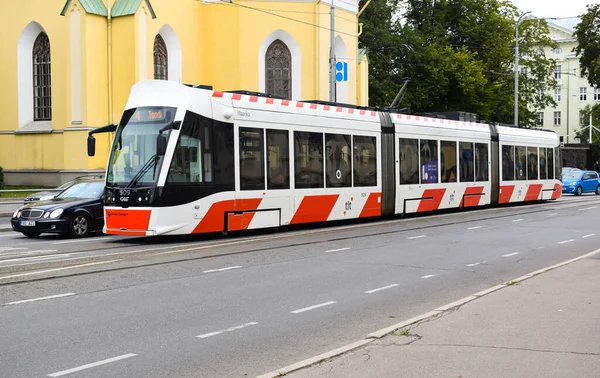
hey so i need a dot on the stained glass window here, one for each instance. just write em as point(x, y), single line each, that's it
point(42, 79)
point(279, 70)
point(161, 59)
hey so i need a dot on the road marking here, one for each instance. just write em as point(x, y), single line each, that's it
point(380, 288)
point(474, 264)
point(312, 307)
point(204, 336)
point(6, 249)
point(222, 269)
point(474, 228)
point(41, 298)
point(553, 214)
point(416, 237)
point(517, 220)
point(337, 250)
point(57, 269)
point(511, 254)
point(588, 208)
point(428, 276)
point(542, 247)
point(37, 258)
point(566, 241)
point(587, 236)
point(94, 364)
point(84, 240)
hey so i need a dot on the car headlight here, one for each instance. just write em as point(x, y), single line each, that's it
point(56, 213)
point(47, 214)
point(16, 214)
point(572, 184)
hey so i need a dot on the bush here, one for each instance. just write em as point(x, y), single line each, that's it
point(1, 179)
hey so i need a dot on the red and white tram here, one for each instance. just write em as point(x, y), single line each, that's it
point(192, 160)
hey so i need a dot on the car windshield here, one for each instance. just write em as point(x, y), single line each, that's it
point(66, 184)
point(87, 190)
point(133, 152)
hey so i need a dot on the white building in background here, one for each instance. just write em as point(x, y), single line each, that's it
point(573, 92)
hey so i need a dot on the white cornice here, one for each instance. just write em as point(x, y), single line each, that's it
point(347, 5)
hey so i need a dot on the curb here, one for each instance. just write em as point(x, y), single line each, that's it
point(6, 214)
point(427, 316)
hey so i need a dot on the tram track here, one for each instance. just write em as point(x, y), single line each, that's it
point(135, 259)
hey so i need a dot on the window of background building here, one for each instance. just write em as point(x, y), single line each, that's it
point(581, 118)
point(558, 50)
point(278, 65)
point(583, 94)
point(540, 117)
point(557, 93)
point(42, 80)
point(524, 71)
point(596, 94)
point(557, 72)
point(556, 118)
point(161, 59)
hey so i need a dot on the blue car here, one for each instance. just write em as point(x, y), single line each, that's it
point(578, 182)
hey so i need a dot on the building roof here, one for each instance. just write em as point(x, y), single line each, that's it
point(567, 23)
point(90, 6)
point(361, 54)
point(129, 7)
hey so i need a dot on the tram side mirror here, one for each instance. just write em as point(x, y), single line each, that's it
point(91, 145)
point(161, 145)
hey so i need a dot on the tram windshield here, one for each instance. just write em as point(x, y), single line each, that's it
point(134, 160)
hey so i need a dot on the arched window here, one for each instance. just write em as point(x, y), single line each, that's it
point(42, 88)
point(278, 65)
point(161, 59)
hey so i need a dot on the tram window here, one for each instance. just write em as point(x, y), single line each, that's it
point(521, 163)
point(508, 163)
point(252, 163)
point(278, 159)
point(550, 160)
point(409, 161)
point(481, 162)
point(429, 161)
point(338, 160)
point(557, 163)
point(532, 163)
point(467, 166)
point(448, 161)
point(308, 157)
point(192, 161)
point(543, 164)
point(365, 161)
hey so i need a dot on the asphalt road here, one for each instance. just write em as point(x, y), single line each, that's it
point(245, 305)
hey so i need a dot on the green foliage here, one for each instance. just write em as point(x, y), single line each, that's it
point(588, 44)
point(461, 57)
point(584, 133)
point(1, 178)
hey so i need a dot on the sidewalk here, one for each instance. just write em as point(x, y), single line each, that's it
point(8, 207)
point(545, 326)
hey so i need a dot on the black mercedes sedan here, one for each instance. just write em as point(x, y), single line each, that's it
point(76, 211)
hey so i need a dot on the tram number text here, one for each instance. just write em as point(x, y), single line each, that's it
point(348, 205)
point(124, 199)
point(363, 195)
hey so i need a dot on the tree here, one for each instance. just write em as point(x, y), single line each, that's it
point(584, 133)
point(588, 44)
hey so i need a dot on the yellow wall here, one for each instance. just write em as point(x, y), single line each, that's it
point(220, 45)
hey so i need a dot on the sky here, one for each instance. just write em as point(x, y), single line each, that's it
point(554, 8)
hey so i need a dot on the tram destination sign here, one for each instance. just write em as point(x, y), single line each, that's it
point(153, 114)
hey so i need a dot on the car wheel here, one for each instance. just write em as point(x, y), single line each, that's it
point(579, 191)
point(32, 234)
point(598, 190)
point(80, 226)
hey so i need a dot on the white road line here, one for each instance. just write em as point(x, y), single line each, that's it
point(6, 249)
point(84, 240)
point(337, 250)
point(517, 220)
point(380, 288)
point(553, 214)
point(587, 236)
point(37, 258)
point(474, 264)
point(542, 247)
point(222, 269)
point(41, 299)
point(416, 237)
point(588, 208)
point(57, 269)
point(312, 307)
point(511, 254)
point(428, 276)
point(94, 364)
point(204, 336)
point(566, 241)
point(474, 228)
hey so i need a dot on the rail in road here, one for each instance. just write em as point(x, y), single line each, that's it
point(243, 306)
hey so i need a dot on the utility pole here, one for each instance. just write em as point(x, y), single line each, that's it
point(590, 140)
point(517, 68)
point(332, 56)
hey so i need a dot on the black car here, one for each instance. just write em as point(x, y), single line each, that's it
point(47, 195)
point(76, 211)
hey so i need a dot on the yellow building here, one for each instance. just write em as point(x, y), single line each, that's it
point(68, 66)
